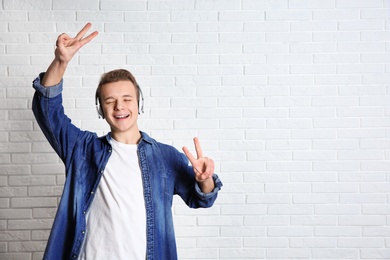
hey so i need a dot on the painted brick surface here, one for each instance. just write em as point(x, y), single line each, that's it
point(291, 99)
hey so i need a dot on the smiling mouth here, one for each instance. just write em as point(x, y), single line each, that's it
point(122, 116)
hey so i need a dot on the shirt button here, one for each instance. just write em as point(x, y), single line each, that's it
point(83, 232)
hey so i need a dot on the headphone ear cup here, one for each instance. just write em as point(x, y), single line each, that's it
point(140, 101)
point(99, 109)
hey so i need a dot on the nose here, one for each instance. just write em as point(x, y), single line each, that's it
point(118, 105)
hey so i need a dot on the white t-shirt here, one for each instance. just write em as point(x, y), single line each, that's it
point(116, 220)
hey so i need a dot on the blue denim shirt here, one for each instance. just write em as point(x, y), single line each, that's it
point(165, 172)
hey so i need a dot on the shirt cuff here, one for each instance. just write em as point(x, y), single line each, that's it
point(48, 92)
point(205, 196)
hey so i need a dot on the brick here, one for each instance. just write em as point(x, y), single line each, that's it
point(304, 242)
point(323, 209)
point(361, 221)
point(254, 209)
point(378, 253)
point(325, 220)
point(13, 191)
point(337, 14)
point(265, 48)
point(287, 144)
point(290, 209)
point(31, 4)
point(267, 135)
point(336, 166)
point(217, 5)
point(362, 112)
point(360, 242)
point(293, 58)
point(16, 256)
point(268, 242)
point(287, 188)
point(290, 231)
point(358, 4)
point(281, 102)
point(289, 123)
point(29, 224)
point(269, 199)
point(26, 246)
point(336, 123)
point(243, 231)
point(193, 59)
point(42, 213)
point(265, 4)
point(169, 5)
point(14, 235)
point(50, 15)
point(33, 202)
point(288, 36)
point(189, 16)
point(265, 220)
point(40, 234)
point(366, 47)
point(334, 253)
point(317, 4)
point(360, 155)
point(242, 15)
point(313, 176)
point(362, 199)
point(338, 57)
point(222, 26)
point(312, 112)
point(314, 26)
point(294, 15)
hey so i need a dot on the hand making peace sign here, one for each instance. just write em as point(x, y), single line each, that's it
point(67, 46)
point(203, 167)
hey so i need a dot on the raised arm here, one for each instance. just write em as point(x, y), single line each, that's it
point(66, 48)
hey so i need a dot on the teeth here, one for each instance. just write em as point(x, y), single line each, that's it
point(121, 116)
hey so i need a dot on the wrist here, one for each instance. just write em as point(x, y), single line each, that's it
point(207, 185)
point(54, 73)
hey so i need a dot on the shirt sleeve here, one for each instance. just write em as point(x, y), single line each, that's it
point(217, 187)
point(51, 118)
point(48, 92)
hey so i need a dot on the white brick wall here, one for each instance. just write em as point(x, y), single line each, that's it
point(290, 97)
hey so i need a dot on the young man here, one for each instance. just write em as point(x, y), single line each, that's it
point(117, 198)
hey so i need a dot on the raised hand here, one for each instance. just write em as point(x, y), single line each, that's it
point(67, 46)
point(203, 167)
point(65, 50)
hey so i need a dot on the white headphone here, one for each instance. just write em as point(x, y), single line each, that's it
point(140, 103)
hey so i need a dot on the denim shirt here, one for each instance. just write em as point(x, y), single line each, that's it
point(165, 172)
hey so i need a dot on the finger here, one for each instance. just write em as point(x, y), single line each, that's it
point(62, 37)
point(89, 38)
point(189, 155)
point(83, 31)
point(198, 149)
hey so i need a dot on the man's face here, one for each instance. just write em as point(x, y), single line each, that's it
point(120, 106)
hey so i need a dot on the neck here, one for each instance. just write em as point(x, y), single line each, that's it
point(127, 138)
